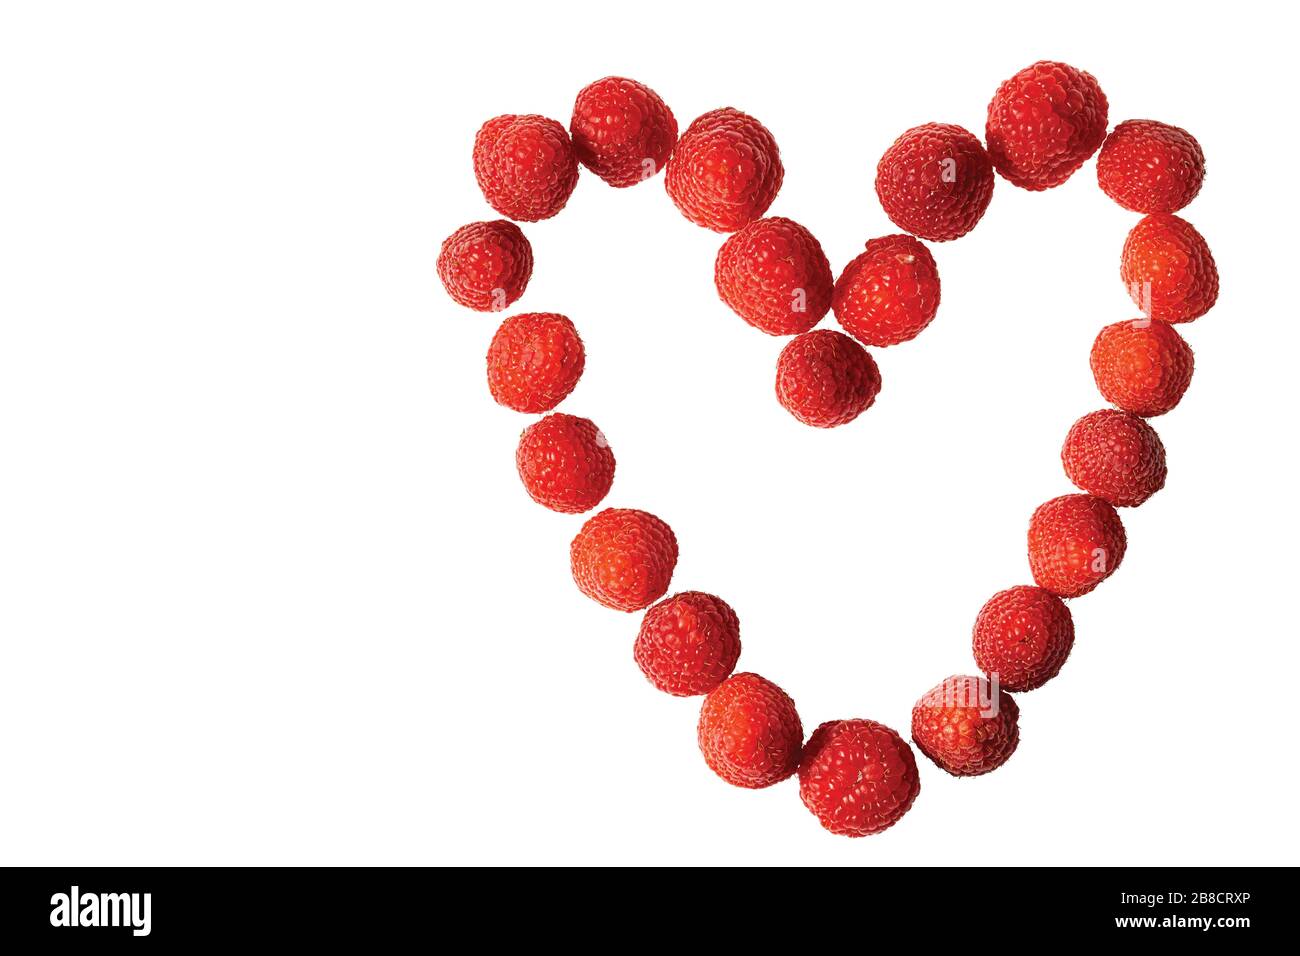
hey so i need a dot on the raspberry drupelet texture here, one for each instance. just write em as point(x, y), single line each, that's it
point(624, 558)
point(1044, 123)
point(622, 131)
point(749, 732)
point(857, 777)
point(889, 293)
point(725, 170)
point(1024, 635)
point(486, 265)
point(534, 361)
point(1116, 456)
point(1149, 167)
point(1142, 366)
point(1075, 543)
point(1168, 269)
point(935, 181)
point(774, 275)
point(688, 644)
point(824, 378)
point(525, 166)
point(964, 728)
point(565, 463)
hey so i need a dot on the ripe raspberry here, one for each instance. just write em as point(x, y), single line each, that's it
point(964, 729)
point(688, 644)
point(1116, 456)
point(1143, 366)
point(750, 732)
point(565, 463)
point(824, 378)
point(622, 131)
point(1168, 270)
point(1075, 543)
point(935, 181)
point(725, 170)
point(1147, 166)
point(1023, 634)
point(534, 361)
point(525, 166)
point(486, 265)
point(1044, 123)
point(889, 293)
point(858, 777)
point(623, 558)
point(775, 276)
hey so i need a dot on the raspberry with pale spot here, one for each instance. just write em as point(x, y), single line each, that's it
point(1168, 269)
point(622, 130)
point(486, 266)
point(935, 181)
point(889, 293)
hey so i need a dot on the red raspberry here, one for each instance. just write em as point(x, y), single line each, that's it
point(858, 777)
point(1168, 270)
point(565, 463)
point(775, 276)
point(486, 265)
point(1023, 635)
point(623, 558)
point(622, 131)
point(1143, 366)
point(750, 732)
point(824, 378)
point(688, 644)
point(525, 166)
point(1147, 166)
point(1116, 456)
point(964, 728)
point(725, 171)
point(534, 361)
point(889, 293)
point(935, 181)
point(1075, 543)
point(1044, 123)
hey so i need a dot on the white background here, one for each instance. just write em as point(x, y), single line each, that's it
point(271, 591)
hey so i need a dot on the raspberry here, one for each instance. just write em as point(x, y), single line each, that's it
point(1116, 456)
point(1023, 635)
point(1168, 270)
point(1143, 366)
point(774, 275)
point(749, 732)
point(1075, 543)
point(858, 777)
point(889, 293)
point(1044, 123)
point(725, 170)
point(688, 644)
point(824, 378)
point(1147, 166)
point(565, 463)
point(525, 166)
point(935, 181)
point(534, 361)
point(622, 131)
point(486, 265)
point(964, 729)
point(623, 558)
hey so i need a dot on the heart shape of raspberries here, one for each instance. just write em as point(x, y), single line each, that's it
point(935, 182)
